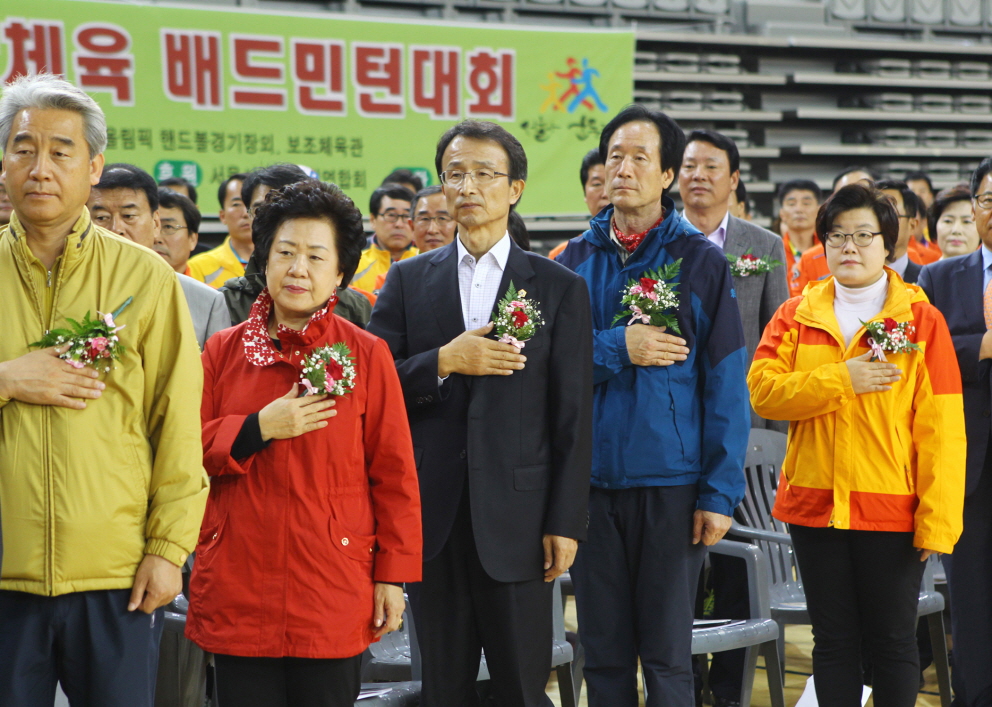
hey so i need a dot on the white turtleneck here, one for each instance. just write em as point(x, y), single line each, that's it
point(853, 305)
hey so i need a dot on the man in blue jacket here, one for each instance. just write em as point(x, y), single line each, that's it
point(671, 421)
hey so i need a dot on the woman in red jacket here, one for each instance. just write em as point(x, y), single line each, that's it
point(313, 519)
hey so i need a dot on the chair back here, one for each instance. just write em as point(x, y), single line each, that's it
point(762, 467)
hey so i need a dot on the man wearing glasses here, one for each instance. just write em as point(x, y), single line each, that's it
point(433, 226)
point(389, 212)
point(502, 435)
point(180, 230)
point(961, 288)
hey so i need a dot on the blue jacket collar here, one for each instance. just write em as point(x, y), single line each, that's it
point(672, 227)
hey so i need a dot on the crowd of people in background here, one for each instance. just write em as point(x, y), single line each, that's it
point(437, 455)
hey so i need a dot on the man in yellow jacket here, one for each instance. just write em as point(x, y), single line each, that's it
point(102, 487)
point(389, 212)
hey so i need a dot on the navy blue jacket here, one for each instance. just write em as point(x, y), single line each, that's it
point(687, 423)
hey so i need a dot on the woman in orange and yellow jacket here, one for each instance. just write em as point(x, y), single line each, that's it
point(873, 478)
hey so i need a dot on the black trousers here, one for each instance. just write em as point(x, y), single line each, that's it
point(861, 585)
point(459, 611)
point(635, 582)
point(287, 682)
point(104, 655)
point(969, 579)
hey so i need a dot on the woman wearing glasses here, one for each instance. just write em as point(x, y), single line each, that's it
point(873, 479)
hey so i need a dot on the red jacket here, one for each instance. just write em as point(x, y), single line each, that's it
point(295, 535)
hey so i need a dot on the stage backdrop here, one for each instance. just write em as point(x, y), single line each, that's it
point(203, 93)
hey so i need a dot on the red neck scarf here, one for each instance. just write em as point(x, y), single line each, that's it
point(259, 349)
point(632, 241)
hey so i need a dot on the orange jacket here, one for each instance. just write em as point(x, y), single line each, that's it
point(923, 254)
point(792, 257)
point(892, 461)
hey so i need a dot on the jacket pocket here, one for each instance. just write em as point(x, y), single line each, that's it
point(210, 535)
point(353, 545)
point(531, 478)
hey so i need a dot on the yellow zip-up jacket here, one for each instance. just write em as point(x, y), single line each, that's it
point(892, 461)
point(85, 494)
point(376, 261)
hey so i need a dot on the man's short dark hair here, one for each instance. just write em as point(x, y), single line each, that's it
point(180, 182)
point(920, 177)
point(984, 167)
point(909, 198)
point(874, 174)
point(591, 159)
point(222, 189)
point(741, 194)
point(423, 194)
point(121, 175)
point(518, 230)
point(720, 142)
point(275, 176)
point(484, 130)
point(168, 199)
point(310, 199)
point(944, 199)
point(672, 137)
point(393, 191)
point(404, 176)
point(799, 185)
point(858, 196)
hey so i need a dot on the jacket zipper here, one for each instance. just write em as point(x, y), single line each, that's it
point(49, 481)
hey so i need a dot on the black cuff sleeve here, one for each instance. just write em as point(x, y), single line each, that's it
point(249, 440)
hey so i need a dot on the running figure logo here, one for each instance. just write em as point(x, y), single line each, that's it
point(580, 89)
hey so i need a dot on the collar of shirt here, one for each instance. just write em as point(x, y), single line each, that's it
point(719, 236)
point(899, 265)
point(500, 251)
point(479, 281)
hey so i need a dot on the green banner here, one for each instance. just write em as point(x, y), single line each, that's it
point(204, 93)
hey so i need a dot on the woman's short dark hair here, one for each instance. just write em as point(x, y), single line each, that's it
point(858, 196)
point(311, 199)
point(672, 137)
point(940, 203)
point(485, 130)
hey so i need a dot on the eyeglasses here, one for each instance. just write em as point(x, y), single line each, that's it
point(393, 217)
point(170, 229)
point(861, 239)
point(481, 177)
point(984, 200)
point(441, 221)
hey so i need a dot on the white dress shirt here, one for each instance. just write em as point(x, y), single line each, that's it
point(478, 281)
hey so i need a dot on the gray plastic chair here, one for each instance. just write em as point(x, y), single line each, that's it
point(765, 454)
point(399, 657)
point(758, 635)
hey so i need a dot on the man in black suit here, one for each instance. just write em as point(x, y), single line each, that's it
point(958, 287)
point(906, 203)
point(502, 436)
